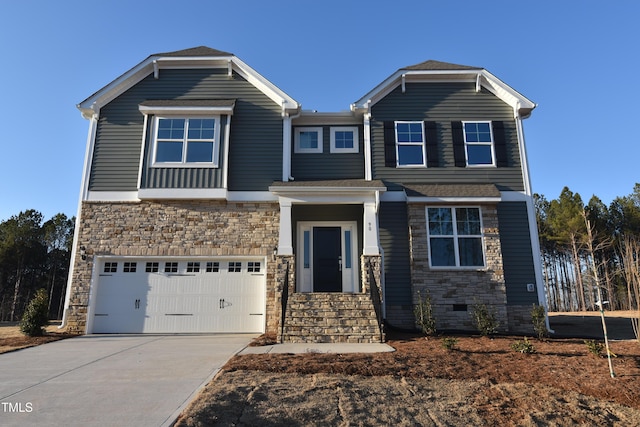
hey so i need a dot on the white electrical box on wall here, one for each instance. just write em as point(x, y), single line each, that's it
point(531, 287)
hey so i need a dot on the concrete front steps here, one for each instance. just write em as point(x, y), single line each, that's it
point(331, 318)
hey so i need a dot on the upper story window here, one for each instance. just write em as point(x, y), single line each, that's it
point(344, 140)
point(410, 144)
point(478, 140)
point(186, 141)
point(308, 140)
point(455, 237)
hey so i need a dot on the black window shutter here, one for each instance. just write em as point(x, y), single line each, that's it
point(389, 144)
point(459, 157)
point(500, 144)
point(432, 144)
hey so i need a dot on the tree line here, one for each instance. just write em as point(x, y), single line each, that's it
point(589, 246)
point(34, 254)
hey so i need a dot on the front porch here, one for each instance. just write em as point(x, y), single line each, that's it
point(330, 317)
point(328, 278)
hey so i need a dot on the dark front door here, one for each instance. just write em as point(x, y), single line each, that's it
point(327, 262)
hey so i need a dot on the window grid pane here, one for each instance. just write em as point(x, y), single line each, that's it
point(463, 246)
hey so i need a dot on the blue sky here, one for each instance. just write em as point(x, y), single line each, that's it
point(578, 60)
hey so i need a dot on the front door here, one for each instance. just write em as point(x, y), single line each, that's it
point(327, 259)
point(327, 256)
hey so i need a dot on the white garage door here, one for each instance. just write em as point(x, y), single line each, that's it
point(175, 296)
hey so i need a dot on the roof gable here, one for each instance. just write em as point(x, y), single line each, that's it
point(197, 57)
point(435, 71)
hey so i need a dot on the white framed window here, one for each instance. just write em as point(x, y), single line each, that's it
point(308, 140)
point(410, 144)
point(344, 139)
point(455, 237)
point(186, 141)
point(478, 142)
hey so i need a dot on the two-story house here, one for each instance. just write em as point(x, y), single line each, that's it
point(211, 202)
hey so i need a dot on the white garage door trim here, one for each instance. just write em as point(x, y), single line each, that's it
point(177, 295)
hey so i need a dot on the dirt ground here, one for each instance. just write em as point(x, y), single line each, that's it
point(12, 339)
point(482, 381)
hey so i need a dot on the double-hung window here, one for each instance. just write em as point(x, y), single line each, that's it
point(308, 140)
point(455, 237)
point(186, 141)
point(478, 140)
point(410, 144)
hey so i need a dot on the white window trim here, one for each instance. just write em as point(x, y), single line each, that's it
point(491, 144)
point(356, 141)
point(423, 144)
point(296, 146)
point(455, 238)
point(184, 163)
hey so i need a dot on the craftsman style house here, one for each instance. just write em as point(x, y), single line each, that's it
point(211, 202)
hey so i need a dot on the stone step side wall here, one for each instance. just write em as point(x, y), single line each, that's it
point(331, 318)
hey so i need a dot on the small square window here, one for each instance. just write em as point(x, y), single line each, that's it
point(253, 267)
point(170, 267)
point(110, 267)
point(193, 267)
point(308, 140)
point(344, 140)
point(151, 267)
point(185, 141)
point(213, 267)
point(130, 267)
point(235, 267)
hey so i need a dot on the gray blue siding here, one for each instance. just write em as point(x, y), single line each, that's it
point(327, 165)
point(394, 240)
point(517, 255)
point(255, 152)
point(443, 103)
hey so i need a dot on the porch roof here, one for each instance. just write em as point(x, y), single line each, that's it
point(452, 192)
point(339, 185)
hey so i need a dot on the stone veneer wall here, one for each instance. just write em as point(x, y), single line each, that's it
point(173, 228)
point(454, 286)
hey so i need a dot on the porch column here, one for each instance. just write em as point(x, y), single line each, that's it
point(285, 240)
point(370, 232)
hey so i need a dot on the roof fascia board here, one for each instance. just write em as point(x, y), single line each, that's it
point(302, 190)
point(289, 105)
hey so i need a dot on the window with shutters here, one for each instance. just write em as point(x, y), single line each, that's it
point(410, 144)
point(478, 140)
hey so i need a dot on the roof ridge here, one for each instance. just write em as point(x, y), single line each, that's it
point(195, 51)
point(432, 64)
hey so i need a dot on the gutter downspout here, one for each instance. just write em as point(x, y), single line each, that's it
point(368, 173)
point(286, 143)
point(84, 190)
point(533, 226)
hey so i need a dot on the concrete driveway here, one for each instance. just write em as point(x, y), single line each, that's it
point(110, 380)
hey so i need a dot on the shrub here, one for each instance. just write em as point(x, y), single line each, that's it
point(423, 312)
point(594, 347)
point(538, 318)
point(523, 346)
point(484, 319)
point(449, 343)
point(36, 316)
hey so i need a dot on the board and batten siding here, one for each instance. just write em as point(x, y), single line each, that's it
point(167, 177)
point(443, 103)
point(394, 240)
point(517, 256)
point(327, 165)
point(255, 152)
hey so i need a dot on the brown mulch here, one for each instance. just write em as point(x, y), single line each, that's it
point(12, 339)
point(563, 364)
